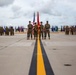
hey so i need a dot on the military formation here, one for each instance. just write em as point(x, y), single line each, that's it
point(6, 31)
point(70, 30)
point(42, 30)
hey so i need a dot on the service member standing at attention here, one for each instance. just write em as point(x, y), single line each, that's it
point(67, 30)
point(1, 31)
point(11, 31)
point(6, 31)
point(35, 31)
point(41, 30)
point(29, 32)
point(47, 29)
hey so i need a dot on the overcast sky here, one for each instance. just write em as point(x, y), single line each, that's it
point(19, 12)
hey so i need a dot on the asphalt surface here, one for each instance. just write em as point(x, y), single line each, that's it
point(16, 54)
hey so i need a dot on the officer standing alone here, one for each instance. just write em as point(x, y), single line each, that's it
point(47, 29)
point(29, 32)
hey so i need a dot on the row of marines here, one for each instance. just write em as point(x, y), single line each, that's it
point(70, 30)
point(42, 30)
point(6, 31)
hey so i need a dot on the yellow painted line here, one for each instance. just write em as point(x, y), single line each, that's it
point(40, 62)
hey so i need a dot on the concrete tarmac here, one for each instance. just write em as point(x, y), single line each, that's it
point(16, 54)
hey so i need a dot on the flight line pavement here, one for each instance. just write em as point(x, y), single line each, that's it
point(16, 54)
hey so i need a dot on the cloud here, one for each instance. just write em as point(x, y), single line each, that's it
point(16, 11)
point(55, 11)
point(5, 2)
point(21, 11)
point(28, 8)
point(16, 8)
point(58, 8)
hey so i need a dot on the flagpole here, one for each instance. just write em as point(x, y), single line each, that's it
point(33, 18)
point(38, 22)
point(33, 23)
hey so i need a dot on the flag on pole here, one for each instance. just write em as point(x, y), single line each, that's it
point(34, 18)
point(33, 23)
point(38, 22)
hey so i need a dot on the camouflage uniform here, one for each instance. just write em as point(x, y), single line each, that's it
point(6, 31)
point(35, 31)
point(1, 31)
point(44, 32)
point(72, 30)
point(67, 30)
point(29, 32)
point(41, 30)
point(11, 31)
point(47, 30)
